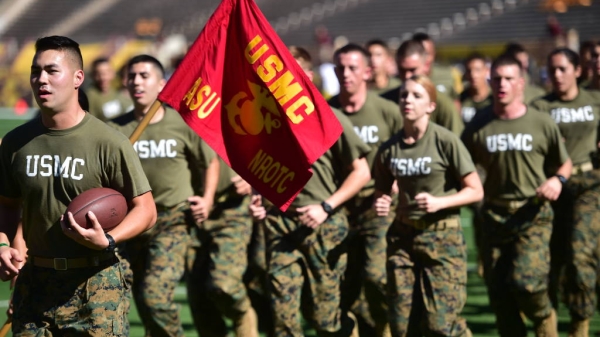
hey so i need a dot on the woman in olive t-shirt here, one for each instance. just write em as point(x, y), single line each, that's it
point(573, 244)
point(426, 249)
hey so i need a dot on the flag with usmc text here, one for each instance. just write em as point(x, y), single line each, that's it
point(241, 90)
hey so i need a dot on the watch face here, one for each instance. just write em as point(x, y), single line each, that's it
point(327, 207)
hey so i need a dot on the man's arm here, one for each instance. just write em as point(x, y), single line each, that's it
point(10, 258)
point(314, 215)
point(354, 182)
point(211, 182)
point(551, 188)
point(201, 206)
point(141, 217)
point(10, 215)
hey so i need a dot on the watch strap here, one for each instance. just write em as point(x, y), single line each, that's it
point(327, 208)
point(562, 178)
point(111, 243)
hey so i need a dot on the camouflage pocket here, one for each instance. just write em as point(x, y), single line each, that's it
point(119, 327)
point(544, 216)
point(452, 251)
point(334, 230)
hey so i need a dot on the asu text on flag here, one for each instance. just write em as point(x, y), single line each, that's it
point(241, 90)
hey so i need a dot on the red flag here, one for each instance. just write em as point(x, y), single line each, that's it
point(242, 91)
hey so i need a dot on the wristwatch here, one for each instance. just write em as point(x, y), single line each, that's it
point(562, 178)
point(111, 243)
point(327, 208)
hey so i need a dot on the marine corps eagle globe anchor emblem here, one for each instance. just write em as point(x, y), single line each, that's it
point(255, 113)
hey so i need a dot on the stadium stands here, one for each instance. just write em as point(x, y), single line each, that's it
point(383, 19)
point(527, 22)
point(40, 17)
point(116, 27)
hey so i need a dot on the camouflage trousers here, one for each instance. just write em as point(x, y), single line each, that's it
point(562, 229)
point(516, 259)
point(364, 286)
point(158, 261)
point(215, 281)
point(581, 275)
point(305, 269)
point(427, 281)
point(256, 278)
point(75, 302)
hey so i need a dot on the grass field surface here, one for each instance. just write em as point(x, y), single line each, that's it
point(477, 311)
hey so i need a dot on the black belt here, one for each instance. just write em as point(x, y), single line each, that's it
point(438, 225)
point(59, 263)
point(513, 204)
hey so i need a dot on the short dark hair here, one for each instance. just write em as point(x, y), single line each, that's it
point(301, 55)
point(61, 43)
point(421, 37)
point(475, 56)
point(410, 47)
point(99, 61)
point(144, 58)
point(514, 48)
point(571, 56)
point(507, 60)
point(353, 47)
point(377, 42)
point(585, 46)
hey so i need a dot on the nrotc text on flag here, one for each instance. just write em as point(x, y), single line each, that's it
point(266, 169)
point(242, 91)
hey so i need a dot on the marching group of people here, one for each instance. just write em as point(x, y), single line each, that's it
point(372, 245)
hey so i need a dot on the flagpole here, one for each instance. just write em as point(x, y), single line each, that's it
point(145, 121)
point(6, 327)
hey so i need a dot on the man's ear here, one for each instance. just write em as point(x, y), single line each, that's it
point(78, 78)
point(161, 84)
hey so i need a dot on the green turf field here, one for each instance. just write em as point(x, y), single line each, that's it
point(8, 120)
point(477, 311)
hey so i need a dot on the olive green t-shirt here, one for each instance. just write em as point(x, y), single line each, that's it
point(577, 121)
point(49, 168)
point(171, 154)
point(447, 80)
point(332, 168)
point(517, 154)
point(469, 107)
point(376, 121)
point(225, 187)
point(393, 82)
point(106, 106)
point(532, 92)
point(445, 113)
point(434, 164)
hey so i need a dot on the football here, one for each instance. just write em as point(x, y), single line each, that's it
point(109, 206)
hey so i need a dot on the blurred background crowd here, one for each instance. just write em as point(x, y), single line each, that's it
point(119, 29)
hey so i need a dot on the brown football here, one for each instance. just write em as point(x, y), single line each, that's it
point(109, 206)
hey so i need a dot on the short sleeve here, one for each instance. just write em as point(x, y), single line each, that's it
point(384, 179)
point(349, 146)
point(459, 157)
point(125, 173)
point(445, 114)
